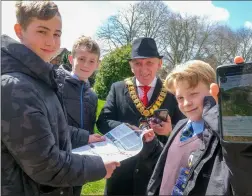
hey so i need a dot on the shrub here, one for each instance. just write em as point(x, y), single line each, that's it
point(114, 67)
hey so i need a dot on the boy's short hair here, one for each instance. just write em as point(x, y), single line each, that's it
point(193, 72)
point(88, 43)
point(42, 10)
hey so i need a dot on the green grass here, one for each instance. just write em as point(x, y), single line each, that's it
point(95, 188)
point(99, 108)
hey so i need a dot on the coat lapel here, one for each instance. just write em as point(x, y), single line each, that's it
point(156, 91)
point(128, 98)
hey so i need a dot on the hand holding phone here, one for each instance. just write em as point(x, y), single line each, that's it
point(159, 116)
point(161, 122)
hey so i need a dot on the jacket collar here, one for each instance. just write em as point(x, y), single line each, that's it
point(16, 57)
point(72, 79)
point(211, 114)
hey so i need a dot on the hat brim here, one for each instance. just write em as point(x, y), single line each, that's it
point(145, 57)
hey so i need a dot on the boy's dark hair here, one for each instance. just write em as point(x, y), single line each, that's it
point(42, 10)
point(88, 43)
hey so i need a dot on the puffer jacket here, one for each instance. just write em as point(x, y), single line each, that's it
point(80, 102)
point(36, 140)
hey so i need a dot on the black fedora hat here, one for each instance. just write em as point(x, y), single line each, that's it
point(144, 48)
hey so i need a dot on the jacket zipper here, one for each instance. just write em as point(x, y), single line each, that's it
point(81, 106)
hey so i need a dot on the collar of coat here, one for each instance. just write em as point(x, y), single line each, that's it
point(71, 79)
point(16, 57)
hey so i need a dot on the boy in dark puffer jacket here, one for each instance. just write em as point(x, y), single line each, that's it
point(36, 141)
point(79, 99)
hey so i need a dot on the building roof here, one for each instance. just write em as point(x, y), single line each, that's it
point(60, 51)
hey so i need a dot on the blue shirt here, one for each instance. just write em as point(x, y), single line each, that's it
point(197, 128)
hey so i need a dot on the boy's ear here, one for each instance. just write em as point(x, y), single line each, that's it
point(98, 64)
point(70, 58)
point(18, 30)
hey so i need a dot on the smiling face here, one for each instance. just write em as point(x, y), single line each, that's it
point(145, 70)
point(190, 100)
point(84, 63)
point(41, 36)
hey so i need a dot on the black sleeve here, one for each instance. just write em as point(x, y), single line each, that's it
point(152, 150)
point(27, 134)
point(108, 117)
point(79, 137)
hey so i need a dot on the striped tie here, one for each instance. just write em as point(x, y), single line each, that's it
point(187, 132)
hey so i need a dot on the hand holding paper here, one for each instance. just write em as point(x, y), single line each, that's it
point(121, 143)
point(163, 128)
point(95, 138)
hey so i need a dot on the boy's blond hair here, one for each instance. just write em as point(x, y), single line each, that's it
point(88, 43)
point(42, 10)
point(193, 72)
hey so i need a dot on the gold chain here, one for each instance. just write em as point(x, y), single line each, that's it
point(145, 111)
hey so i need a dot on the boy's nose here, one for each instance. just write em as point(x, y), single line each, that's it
point(187, 102)
point(50, 41)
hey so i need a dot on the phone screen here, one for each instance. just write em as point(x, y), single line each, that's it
point(161, 114)
point(236, 102)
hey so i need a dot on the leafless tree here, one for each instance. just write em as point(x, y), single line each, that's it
point(142, 19)
point(244, 37)
point(122, 28)
point(179, 37)
point(185, 38)
point(222, 44)
point(154, 14)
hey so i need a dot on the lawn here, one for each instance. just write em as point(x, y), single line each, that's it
point(95, 188)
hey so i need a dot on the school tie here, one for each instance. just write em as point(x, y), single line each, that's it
point(187, 132)
point(144, 98)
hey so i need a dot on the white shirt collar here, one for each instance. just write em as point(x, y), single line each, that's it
point(152, 84)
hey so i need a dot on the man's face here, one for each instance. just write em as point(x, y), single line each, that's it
point(190, 100)
point(84, 63)
point(146, 69)
point(41, 36)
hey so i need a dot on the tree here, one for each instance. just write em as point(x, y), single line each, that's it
point(244, 37)
point(65, 62)
point(120, 29)
point(179, 37)
point(65, 58)
point(185, 38)
point(142, 19)
point(92, 78)
point(114, 67)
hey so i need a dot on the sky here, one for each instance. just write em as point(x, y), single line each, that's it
point(85, 17)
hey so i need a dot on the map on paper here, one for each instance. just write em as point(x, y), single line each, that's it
point(121, 143)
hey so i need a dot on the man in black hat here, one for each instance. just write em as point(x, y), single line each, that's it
point(127, 102)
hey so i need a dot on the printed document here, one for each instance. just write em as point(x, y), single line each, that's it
point(121, 143)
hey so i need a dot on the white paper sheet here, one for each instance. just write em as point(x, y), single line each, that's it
point(121, 143)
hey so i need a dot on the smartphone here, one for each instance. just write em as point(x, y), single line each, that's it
point(160, 115)
point(235, 102)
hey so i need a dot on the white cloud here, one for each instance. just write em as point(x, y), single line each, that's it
point(248, 24)
point(199, 8)
point(84, 17)
point(79, 17)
